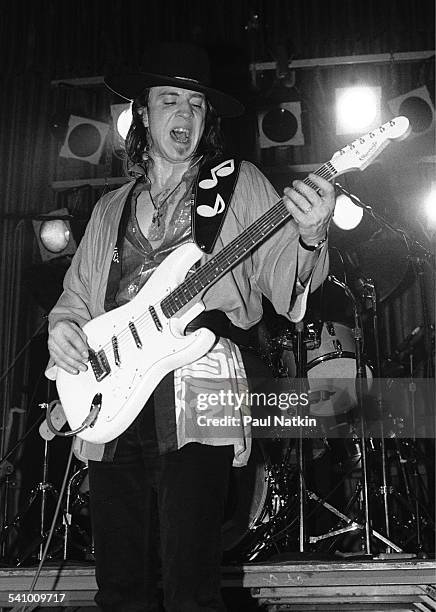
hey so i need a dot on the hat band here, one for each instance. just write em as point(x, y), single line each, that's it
point(187, 79)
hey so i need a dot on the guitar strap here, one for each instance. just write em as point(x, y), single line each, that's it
point(211, 196)
point(213, 192)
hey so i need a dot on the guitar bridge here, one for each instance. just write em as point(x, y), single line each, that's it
point(100, 364)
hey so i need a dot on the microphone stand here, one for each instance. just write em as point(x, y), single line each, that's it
point(301, 372)
point(361, 388)
point(369, 293)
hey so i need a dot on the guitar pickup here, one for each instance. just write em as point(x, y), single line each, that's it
point(100, 364)
point(116, 351)
point(135, 335)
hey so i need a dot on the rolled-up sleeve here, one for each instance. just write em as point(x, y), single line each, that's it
point(276, 260)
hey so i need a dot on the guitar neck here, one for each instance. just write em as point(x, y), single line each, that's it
point(210, 272)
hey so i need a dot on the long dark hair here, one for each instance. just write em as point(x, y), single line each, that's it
point(211, 145)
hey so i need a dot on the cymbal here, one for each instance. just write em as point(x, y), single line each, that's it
point(384, 260)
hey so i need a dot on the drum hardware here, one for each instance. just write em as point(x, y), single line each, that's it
point(361, 388)
point(304, 347)
point(351, 524)
point(415, 475)
point(335, 352)
point(369, 293)
point(312, 338)
point(43, 490)
point(331, 329)
point(404, 504)
point(341, 345)
point(285, 341)
point(418, 262)
point(7, 526)
point(362, 379)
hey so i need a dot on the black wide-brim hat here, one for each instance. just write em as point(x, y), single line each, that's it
point(180, 65)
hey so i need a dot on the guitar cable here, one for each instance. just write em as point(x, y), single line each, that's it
point(88, 422)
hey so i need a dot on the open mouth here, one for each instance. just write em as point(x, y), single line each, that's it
point(181, 135)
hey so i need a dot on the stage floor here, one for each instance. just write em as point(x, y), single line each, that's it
point(297, 586)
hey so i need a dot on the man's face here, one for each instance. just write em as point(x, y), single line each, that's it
point(175, 118)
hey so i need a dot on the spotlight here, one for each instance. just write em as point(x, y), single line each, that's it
point(281, 126)
point(54, 234)
point(84, 139)
point(358, 109)
point(122, 119)
point(347, 215)
point(417, 106)
point(430, 209)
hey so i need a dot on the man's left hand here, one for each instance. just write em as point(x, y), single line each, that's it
point(311, 210)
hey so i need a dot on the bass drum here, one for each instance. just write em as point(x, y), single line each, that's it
point(331, 370)
point(246, 504)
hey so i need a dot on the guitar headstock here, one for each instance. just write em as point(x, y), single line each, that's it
point(362, 151)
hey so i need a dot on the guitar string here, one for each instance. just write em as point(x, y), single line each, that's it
point(126, 335)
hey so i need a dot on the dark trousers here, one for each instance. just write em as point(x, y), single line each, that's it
point(142, 502)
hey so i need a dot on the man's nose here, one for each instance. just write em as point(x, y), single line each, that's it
point(185, 108)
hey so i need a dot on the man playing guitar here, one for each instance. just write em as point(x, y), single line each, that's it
point(159, 471)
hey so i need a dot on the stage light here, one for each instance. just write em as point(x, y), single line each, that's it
point(358, 109)
point(54, 235)
point(122, 119)
point(430, 208)
point(417, 106)
point(347, 215)
point(280, 125)
point(84, 139)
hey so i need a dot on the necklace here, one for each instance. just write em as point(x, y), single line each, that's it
point(158, 208)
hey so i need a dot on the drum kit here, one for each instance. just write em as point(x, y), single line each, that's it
point(367, 499)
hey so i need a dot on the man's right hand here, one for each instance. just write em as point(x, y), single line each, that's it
point(68, 347)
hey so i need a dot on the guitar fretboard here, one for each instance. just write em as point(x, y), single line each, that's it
point(210, 272)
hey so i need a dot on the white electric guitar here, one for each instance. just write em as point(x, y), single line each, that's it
point(136, 345)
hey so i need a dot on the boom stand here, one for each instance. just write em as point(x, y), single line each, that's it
point(369, 293)
point(301, 370)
